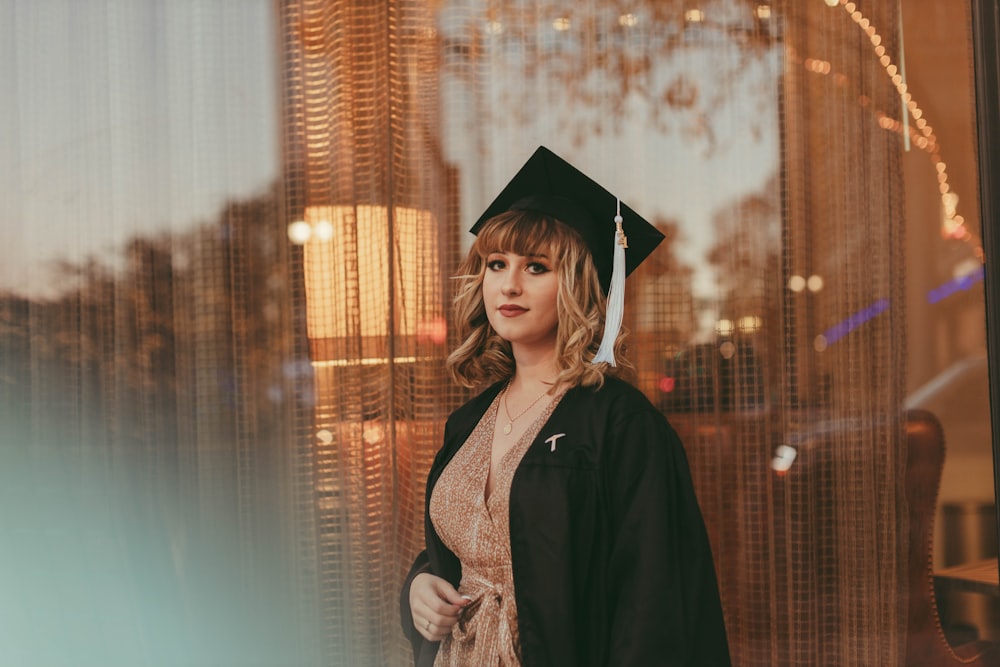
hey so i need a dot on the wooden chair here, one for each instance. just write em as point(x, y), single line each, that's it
point(926, 644)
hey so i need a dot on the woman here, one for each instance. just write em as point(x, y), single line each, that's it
point(561, 523)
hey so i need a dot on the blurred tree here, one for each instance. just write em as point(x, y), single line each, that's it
point(170, 379)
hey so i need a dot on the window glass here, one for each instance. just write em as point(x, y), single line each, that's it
point(224, 293)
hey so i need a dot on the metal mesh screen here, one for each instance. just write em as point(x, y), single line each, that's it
point(374, 199)
point(726, 342)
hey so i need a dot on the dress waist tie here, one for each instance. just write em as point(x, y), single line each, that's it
point(489, 622)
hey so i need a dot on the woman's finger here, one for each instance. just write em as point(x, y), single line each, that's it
point(434, 632)
point(435, 605)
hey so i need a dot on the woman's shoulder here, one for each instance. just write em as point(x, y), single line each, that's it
point(618, 404)
point(614, 394)
point(619, 420)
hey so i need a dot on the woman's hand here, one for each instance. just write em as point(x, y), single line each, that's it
point(435, 606)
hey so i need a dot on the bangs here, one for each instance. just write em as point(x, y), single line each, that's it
point(526, 233)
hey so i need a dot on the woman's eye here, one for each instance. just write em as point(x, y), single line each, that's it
point(495, 264)
point(536, 267)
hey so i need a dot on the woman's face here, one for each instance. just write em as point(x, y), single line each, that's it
point(519, 293)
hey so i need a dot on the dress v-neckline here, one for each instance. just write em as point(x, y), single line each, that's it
point(507, 463)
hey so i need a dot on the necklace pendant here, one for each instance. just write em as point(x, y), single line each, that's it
point(507, 428)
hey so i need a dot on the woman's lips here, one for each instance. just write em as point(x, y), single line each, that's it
point(511, 310)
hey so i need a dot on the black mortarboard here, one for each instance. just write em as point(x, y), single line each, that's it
point(548, 184)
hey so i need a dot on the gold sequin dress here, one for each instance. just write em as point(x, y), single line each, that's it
point(476, 529)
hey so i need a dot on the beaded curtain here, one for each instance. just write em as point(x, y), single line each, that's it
point(657, 101)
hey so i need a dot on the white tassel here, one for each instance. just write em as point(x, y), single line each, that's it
point(616, 296)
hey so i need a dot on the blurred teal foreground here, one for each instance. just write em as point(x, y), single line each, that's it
point(98, 567)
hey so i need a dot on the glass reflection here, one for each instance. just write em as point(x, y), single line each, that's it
point(811, 165)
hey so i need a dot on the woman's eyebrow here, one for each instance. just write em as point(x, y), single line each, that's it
point(530, 255)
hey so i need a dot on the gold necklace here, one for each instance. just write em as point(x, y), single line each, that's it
point(511, 420)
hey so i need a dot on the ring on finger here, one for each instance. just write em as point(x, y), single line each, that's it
point(427, 625)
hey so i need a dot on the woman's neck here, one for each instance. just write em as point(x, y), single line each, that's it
point(533, 371)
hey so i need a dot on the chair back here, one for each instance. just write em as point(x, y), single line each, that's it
point(926, 644)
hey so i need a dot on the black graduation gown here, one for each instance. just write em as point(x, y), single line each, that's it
point(611, 560)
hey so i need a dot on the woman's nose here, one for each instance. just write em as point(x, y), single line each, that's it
point(511, 284)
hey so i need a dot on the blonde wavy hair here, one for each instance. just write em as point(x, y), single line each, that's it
point(483, 356)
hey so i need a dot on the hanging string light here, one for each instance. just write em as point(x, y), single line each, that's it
point(922, 135)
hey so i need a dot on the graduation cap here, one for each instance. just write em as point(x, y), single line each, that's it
point(618, 238)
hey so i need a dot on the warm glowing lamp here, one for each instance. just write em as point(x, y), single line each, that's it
point(363, 282)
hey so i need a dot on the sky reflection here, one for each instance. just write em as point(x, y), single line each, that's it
point(124, 120)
